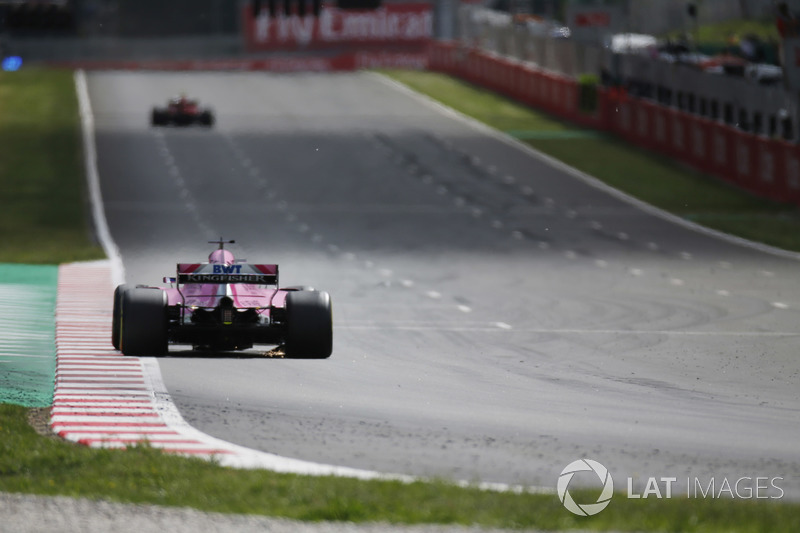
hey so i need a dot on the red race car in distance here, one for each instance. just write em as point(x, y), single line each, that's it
point(182, 111)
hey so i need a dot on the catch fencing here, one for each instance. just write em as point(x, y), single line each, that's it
point(743, 101)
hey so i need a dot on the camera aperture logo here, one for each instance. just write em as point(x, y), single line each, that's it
point(585, 509)
point(744, 487)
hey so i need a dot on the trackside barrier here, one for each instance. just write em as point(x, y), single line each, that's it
point(680, 144)
point(644, 122)
point(744, 151)
point(662, 129)
point(789, 166)
point(413, 57)
point(766, 161)
point(763, 166)
point(724, 152)
point(700, 143)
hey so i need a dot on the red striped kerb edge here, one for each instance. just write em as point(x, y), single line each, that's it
point(102, 398)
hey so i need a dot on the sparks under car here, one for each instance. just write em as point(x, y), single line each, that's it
point(181, 111)
point(222, 304)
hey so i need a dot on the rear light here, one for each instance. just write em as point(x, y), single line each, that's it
point(226, 310)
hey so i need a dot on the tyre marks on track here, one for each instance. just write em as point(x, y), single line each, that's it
point(490, 193)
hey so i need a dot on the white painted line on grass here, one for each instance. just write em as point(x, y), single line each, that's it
point(93, 179)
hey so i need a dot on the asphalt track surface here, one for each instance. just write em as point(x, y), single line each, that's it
point(495, 316)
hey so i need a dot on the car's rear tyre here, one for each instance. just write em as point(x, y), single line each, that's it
point(309, 325)
point(116, 317)
point(157, 118)
point(143, 325)
point(207, 118)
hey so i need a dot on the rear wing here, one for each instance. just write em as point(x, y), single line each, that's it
point(235, 273)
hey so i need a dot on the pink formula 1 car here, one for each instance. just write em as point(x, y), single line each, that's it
point(222, 305)
point(181, 111)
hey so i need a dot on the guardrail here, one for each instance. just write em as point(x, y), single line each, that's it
point(336, 61)
point(764, 166)
point(128, 48)
point(737, 101)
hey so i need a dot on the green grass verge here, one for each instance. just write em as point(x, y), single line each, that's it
point(31, 463)
point(44, 218)
point(652, 178)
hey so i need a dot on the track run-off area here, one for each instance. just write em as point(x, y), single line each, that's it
point(496, 314)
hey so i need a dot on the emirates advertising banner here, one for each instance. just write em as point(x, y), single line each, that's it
point(390, 24)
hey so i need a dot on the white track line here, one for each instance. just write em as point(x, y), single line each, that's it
point(86, 283)
point(105, 399)
point(93, 178)
point(586, 178)
point(119, 411)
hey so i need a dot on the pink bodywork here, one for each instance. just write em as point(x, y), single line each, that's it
point(260, 296)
